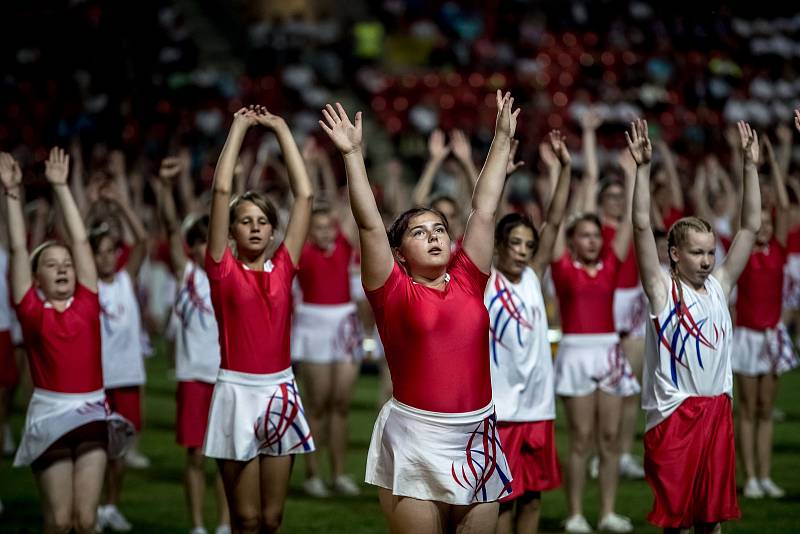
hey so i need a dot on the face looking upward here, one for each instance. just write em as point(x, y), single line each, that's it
point(425, 246)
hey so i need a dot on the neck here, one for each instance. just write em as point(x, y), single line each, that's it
point(435, 280)
point(512, 277)
point(254, 262)
point(108, 278)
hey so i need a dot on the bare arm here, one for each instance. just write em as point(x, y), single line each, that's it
point(479, 233)
point(377, 261)
point(76, 181)
point(185, 184)
point(139, 234)
point(555, 211)
point(644, 242)
point(782, 208)
point(622, 239)
point(462, 150)
point(20, 267)
point(56, 171)
point(438, 152)
point(728, 273)
point(170, 168)
point(700, 194)
point(590, 122)
point(784, 151)
point(676, 193)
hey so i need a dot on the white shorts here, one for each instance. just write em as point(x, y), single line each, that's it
point(586, 362)
point(326, 333)
point(630, 311)
point(757, 352)
point(791, 282)
point(254, 414)
point(51, 415)
point(452, 458)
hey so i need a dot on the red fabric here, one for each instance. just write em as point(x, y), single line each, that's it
point(760, 293)
point(194, 401)
point(436, 341)
point(253, 311)
point(530, 449)
point(9, 372)
point(690, 464)
point(127, 401)
point(586, 302)
point(628, 272)
point(63, 347)
point(123, 257)
point(325, 278)
point(671, 217)
point(793, 241)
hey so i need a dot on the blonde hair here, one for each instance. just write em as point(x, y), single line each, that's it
point(678, 236)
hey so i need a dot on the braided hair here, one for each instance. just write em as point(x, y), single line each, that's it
point(677, 236)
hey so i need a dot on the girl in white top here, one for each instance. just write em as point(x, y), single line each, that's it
point(687, 370)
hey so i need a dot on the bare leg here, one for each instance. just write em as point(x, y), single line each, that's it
point(767, 390)
point(114, 476)
point(344, 379)
point(580, 418)
point(55, 487)
point(406, 515)
point(528, 510)
point(475, 518)
point(505, 519)
point(87, 479)
point(633, 348)
point(609, 408)
point(195, 485)
point(242, 490)
point(223, 514)
point(748, 402)
point(317, 392)
point(275, 473)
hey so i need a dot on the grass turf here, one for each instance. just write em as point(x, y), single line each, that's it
point(153, 499)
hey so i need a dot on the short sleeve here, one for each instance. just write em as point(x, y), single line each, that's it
point(559, 269)
point(29, 310)
point(377, 297)
point(87, 302)
point(466, 273)
point(282, 262)
point(221, 269)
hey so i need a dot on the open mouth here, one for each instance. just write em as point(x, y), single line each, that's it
point(62, 280)
point(435, 251)
point(255, 239)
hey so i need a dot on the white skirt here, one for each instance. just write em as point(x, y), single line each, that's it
point(255, 414)
point(452, 458)
point(630, 311)
point(586, 362)
point(51, 415)
point(757, 352)
point(791, 283)
point(326, 333)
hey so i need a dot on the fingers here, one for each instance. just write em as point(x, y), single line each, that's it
point(342, 113)
point(358, 121)
point(330, 116)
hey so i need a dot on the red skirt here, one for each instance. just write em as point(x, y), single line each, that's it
point(127, 401)
point(690, 464)
point(194, 401)
point(9, 372)
point(530, 448)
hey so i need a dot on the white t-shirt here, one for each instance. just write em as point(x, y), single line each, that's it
point(519, 352)
point(196, 335)
point(6, 312)
point(120, 330)
point(688, 358)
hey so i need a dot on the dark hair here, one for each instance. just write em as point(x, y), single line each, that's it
point(38, 251)
point(505, 226)
point(400, 225)
point(260, 201)
point(197, 231)
point(659, 233)
point(99, 232)
point(606, 183)
point(444, 198)
point(576, 219)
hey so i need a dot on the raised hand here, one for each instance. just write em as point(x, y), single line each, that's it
point(460, 145)
point(591, 119)
point(116, 163)
point(506, 122)
point(345, 135)
point(246, 117)
point(797, 119)
point(169, 169)
point(512, 166)
point(784, 134)
point(10, 173)
point(558, 144)
point(546, 154)
point(110, 192)
point(626, 162)
point(56, 168)
point(267, 119)
point(639, 142)
point(437, 149)
point(749, 142)
point(770, 151)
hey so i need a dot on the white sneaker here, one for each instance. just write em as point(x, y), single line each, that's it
point(315, 487)
point(630, 467)
point(771, 489)
point(9, 445)
point(136, 460)
point(223, 529)
point(100, 521)
point(615, 523)
point(115, 520)
point(594, 467)
point(752, 489)
point(346, 486)
point(198, 530)
point(577, 524)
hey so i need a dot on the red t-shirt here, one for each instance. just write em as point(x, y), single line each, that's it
point(671, 217)
point(628, 275)
point(760, 289)
point(436, 342)
point(325, 278)
point(253, 310)
point(793, 241)
point(586, 302)
point(63, 347)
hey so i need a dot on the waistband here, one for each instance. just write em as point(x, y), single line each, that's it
point(326, 308)
point(255, 380)
point(462, 418)
point(57, 396)
point(588, 340)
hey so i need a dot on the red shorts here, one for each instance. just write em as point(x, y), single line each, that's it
point(530, 449)
point(689, 462)
point(127, 401)
point(194, 401)
point(9, 372)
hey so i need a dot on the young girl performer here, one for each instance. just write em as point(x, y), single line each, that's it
point(196, 345)
point(689, 451)
point(256, 422)
point(762, 348)
point(521, 362)
point(68, 428)
point(435, 452)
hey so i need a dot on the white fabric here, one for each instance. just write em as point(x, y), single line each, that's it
point(791, 282)
point(630, 311)
point(520, 358)
point(356, 287)
point(681, 362)
point(757, 352)
point(120, 329)
point(326, 333)
point(52, 415)
point(157, 286)
point(194, 328)
point(450, 458)
point(256, 414)
point(8, 319)
point(587, 362)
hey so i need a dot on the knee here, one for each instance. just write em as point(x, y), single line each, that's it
point(60, 521)
point(581, 441)
point(85, 519)
point(195, 458)
point(272, 519)
point(340, 407)
point(609, 440)
point(246, 521)
point(763, 412)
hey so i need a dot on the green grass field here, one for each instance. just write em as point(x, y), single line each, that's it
point(153, 499)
